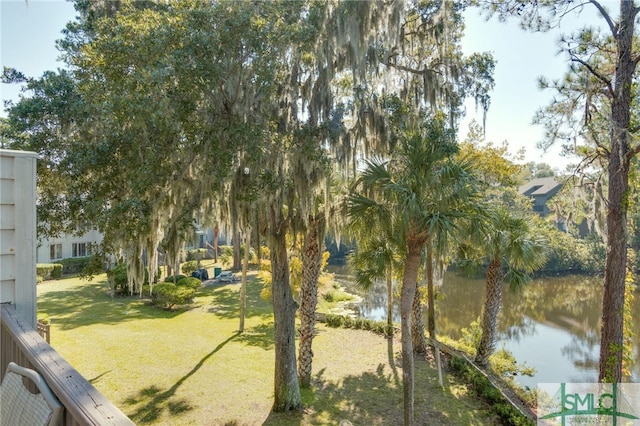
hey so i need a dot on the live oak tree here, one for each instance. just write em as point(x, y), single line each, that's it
point(45, 120)
point(172, 93)
point(614, 78)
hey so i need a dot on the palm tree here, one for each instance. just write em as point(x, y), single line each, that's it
point(513, 252)
point(311, 265)
point(376, 257)
point(406, 197)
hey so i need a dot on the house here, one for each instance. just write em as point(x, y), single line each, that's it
point(69, 246)
point(51, 250)
point(541, 190)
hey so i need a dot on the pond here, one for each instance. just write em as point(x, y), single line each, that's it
point(552, 325)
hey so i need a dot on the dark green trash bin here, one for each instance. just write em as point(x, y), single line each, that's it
point(216, 271)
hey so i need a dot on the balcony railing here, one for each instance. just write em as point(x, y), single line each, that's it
point(84, 404)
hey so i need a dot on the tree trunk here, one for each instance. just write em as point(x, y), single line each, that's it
point(611, 341)
point(237, 244)
point(389, 302)
point(407, 295)
point(286, 387)
point(257, 241)
point(432, 268)
point(243, 288)
point(431, 307)
point(417, 323)
point(311, 263)
point(216, 234)
point(493, 299)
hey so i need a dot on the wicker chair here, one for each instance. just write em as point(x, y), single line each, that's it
point(20, 407)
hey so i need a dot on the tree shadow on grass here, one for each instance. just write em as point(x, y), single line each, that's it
point(90, 303)
point(361, 399)
point(375, 398)
point(393, 361)
point(261, 336)
point(154, 401)
point(227, 301)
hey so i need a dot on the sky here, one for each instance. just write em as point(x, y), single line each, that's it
point(521, 58)
point(28, 30)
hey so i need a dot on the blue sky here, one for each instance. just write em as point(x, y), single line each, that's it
point(521, 58)
point(29, 30)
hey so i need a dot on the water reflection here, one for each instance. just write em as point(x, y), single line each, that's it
point(553, 324)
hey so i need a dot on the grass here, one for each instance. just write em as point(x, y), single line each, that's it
point(192, 367)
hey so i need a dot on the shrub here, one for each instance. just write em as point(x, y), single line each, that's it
point(336, 295)
point(333, 320)
point(471, 337)
point(265, 253)
point(190, 282)
point(342, 321)
point(348, 322)
point(504, 363)
point(44, 270)
point(94, 265)
point(252, 253)
point(49, 271)
point(43, 318)
point(226, 254)
point(168, 295)
point(265, 275)
point(75, 265)
point(328, 296)
point(176, 278)
point(57, 271)
point(189, 266)
point(118, 279)
point(485, 389)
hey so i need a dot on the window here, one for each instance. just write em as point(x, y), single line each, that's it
point(55, 251)
point(79, 250)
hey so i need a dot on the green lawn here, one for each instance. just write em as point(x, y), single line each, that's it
point(191, 366)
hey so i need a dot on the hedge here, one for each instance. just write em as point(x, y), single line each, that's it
point(74, 265)
point(487, 391)
point(49, 271)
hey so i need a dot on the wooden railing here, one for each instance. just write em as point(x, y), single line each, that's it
point(84, 404)
point(44, 330)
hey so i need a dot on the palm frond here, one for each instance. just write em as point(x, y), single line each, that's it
point(515, 279)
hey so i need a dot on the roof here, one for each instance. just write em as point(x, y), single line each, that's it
point(540, 186)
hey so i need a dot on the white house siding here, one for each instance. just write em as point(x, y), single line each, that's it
point(18, 231)
point(66, 243)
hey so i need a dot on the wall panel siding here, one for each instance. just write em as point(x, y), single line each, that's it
point(18, 231)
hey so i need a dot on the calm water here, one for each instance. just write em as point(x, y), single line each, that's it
point(553, 325)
